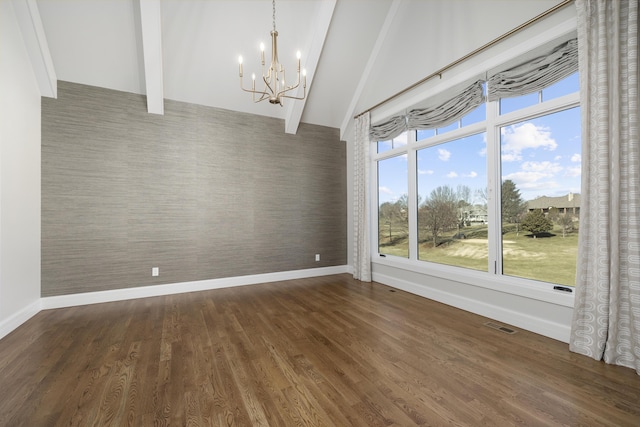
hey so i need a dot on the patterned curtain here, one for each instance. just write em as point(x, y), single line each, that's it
point(606, 318)
point(362, 246)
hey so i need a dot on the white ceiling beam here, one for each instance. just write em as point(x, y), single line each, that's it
point(37, 47)
point(322, 20)
point(370, 63)
point(151, 27)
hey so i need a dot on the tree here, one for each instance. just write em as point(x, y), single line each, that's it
point(512, 204)
point(565, 221)
point(536, 222)
point(392, 218)
point(482, 197)
point(439, 212)
point(463, 194)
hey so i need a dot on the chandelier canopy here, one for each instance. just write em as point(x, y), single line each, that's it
point(275, 88)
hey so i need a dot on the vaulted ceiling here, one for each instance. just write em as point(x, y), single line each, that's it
point(357, 52)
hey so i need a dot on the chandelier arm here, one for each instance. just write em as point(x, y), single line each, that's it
point(263, 94)
point(304, 94)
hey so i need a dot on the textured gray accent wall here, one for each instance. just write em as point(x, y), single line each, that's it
point(199, 192)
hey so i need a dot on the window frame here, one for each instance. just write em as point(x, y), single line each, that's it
point(493, 278)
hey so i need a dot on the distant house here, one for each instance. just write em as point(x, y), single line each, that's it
point(477, 214)
point(565, 204)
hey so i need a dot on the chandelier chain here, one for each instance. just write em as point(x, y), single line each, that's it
point(274, 15)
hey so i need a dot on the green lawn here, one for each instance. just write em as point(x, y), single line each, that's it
point(549, 259)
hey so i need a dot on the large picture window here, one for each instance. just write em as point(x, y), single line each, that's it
point(495, 191)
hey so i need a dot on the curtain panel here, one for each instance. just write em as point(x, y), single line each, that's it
point(455, 108)
point(389, 129)
point(431, 117)
point(606, 316)
point(361, 220)
point(536, 74)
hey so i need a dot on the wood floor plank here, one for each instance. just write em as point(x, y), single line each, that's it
point(326, 351)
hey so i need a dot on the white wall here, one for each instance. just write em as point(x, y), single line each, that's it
point(533, 310)
point(19, 177)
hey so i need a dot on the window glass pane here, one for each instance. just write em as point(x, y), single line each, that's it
point(565, 86)
point(424, 133)
point(385, 146)
point(508, 105)
point(541, 197)
point(450, 127)
point(452, 205)
point(393, 218)
point(396, 142)
point(477, 115)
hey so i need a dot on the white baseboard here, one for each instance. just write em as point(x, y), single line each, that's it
point(538, 325)
point(8, 325)
point(178, 288)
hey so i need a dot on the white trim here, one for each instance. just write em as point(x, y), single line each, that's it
point(10, 324)
point(35, 40)
point(538, 325)
point(151, 31)
point(178, 288)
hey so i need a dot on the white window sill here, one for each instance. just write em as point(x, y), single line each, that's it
point(540, 291)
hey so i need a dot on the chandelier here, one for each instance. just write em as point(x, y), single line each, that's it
point(275, 89)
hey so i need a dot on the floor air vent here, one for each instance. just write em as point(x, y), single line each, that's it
point(500, 328)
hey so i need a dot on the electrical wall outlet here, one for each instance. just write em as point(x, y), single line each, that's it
point(317, 257)
point(155, 271)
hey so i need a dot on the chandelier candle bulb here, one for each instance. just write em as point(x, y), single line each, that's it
point(262, 53)
point(240, 64)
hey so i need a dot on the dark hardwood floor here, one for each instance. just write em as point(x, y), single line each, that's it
point(324, 351)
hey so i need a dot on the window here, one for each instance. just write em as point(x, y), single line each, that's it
point(496, 191)
point(393, 215)
point(541, 197)
point(452, 206)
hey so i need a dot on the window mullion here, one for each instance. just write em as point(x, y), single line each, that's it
point(494, 178)
point(412, 202)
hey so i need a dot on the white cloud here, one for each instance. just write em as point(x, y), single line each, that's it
point(576, 158)
point(452, 174)
point(535, 175)
point(483, 152)
point(547, 168)
point(471, 174)
point(574, 171)
point(524, 178)
point(385, 190)
point(443, 154)
point(425, 172)
point(517, 138)
point(556, 158)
